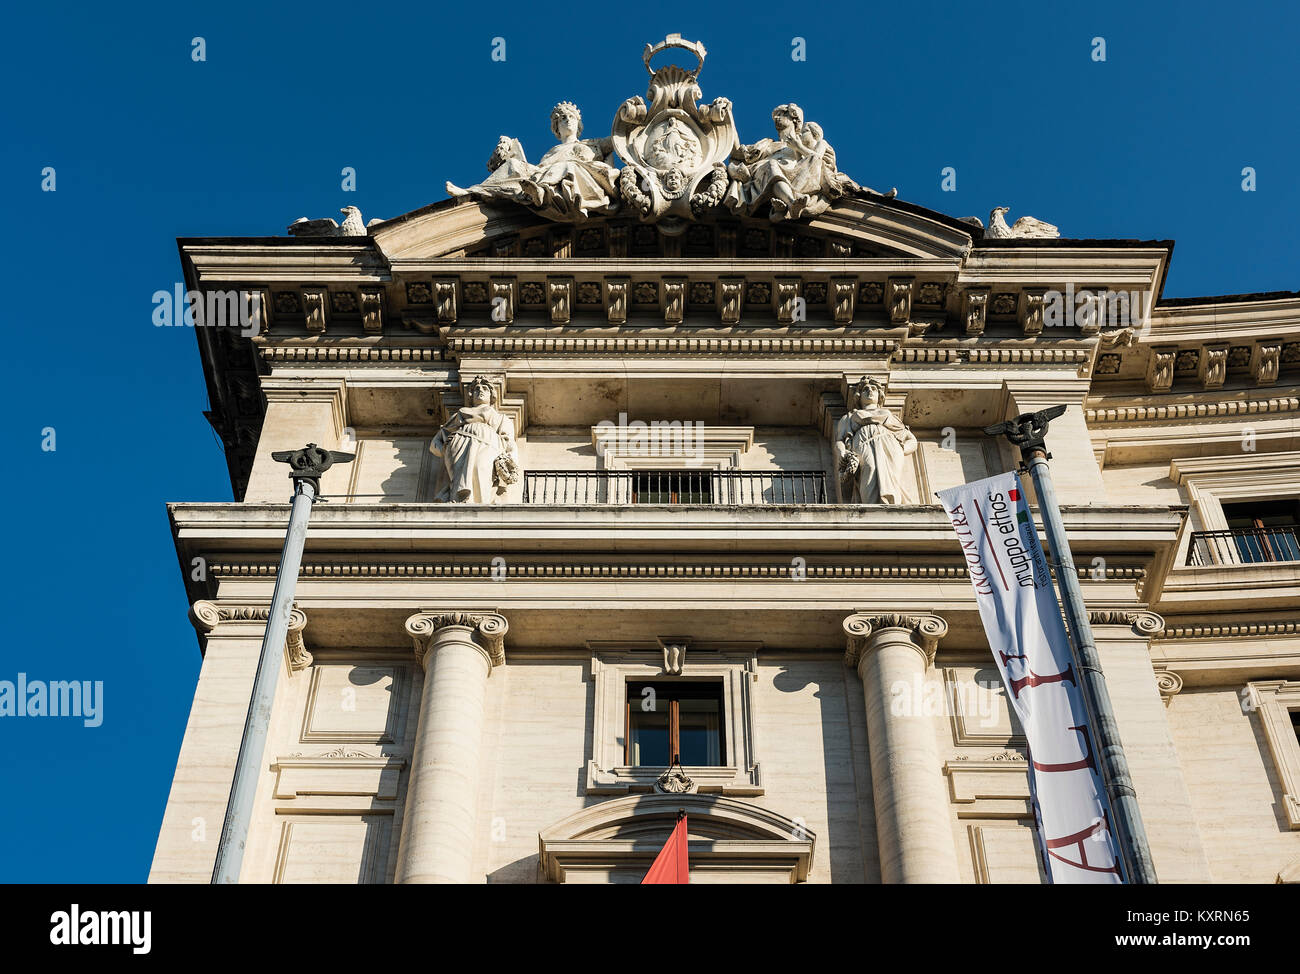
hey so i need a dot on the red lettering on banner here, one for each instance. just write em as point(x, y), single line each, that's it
point(1085, 762)
point(1077, 840)
point(1033, 679)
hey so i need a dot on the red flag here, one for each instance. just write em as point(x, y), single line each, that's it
point(672, 865)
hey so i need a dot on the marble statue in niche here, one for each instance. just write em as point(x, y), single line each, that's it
point(572, 182)
point(871, 448)
point(476, 445)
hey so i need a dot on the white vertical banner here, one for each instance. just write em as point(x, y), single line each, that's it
point(1022, 620)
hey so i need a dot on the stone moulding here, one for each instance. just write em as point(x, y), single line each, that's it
point(1246, 630)
point(780, 571)
point(733, 670)
point(1185, 411)
point(284, 354)
point(1273, 702)
point(725, 833)
point(732, 346)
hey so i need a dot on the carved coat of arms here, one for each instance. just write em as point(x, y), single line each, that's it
point(674, 150)
point(680, 160)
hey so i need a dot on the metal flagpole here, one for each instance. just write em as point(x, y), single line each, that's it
point(306, 467)
point(1027, 431)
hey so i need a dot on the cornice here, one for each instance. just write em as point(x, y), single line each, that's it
point(1228, 630)
point(460, 342)
point(516, 568)
point(403, 354)
point(806, 530)
point(1054, 354)
point(1244, 468)
point(697, 267)
point(276, 260)
point(1182, 411)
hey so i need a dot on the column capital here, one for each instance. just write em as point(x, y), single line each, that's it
point(487, 631)
point(207, 617)
point(1143, 621)
point(863, 631)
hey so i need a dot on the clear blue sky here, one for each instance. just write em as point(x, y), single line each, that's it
point(148, 145)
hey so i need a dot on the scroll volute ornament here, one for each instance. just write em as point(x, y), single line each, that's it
point(926, 630)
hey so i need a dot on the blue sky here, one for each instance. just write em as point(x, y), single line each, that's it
point(148, 145)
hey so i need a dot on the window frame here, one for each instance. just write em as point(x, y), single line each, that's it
point(1274, 701)
point(733, 665)
point(674, 691)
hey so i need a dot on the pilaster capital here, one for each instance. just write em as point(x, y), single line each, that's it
point(1143, 621)
point(207, 617)
point(864, 632)
point(487, 631)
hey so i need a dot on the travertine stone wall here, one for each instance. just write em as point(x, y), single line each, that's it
point(196, 807)
point(810, 728)
point(1153, 757)
point(1233, 786)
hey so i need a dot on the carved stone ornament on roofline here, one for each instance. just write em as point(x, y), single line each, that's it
point(681, 160)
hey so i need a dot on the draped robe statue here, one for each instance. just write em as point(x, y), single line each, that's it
point(795, 172)
point(572, 182)
point(477, 448)
point(871, 448)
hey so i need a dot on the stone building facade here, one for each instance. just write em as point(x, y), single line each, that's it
point(673, 353)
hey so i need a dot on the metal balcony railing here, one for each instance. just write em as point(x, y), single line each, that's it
point(732, 487)
point(1244, 546)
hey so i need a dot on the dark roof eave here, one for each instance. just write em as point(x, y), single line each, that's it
point(1227, 299)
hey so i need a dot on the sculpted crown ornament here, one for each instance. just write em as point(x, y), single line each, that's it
point(681, 159)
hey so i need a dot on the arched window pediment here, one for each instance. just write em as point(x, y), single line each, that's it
point(730, 841)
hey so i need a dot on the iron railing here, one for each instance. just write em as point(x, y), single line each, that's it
point(731, 487)
point(1244, 546)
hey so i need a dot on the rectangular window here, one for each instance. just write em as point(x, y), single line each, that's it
point(672, 487)
point(667, 720)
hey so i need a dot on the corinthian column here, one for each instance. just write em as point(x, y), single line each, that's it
point(891, 654)
point(458, 651)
